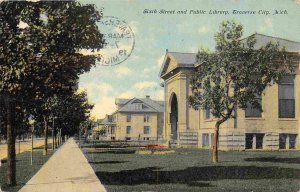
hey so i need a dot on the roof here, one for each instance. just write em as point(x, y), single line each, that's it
point(107, 120)
point(184, 58)
point(160, 102)
point(148, 105)
point(261, 40)
point(189, 60)
point(120, 101)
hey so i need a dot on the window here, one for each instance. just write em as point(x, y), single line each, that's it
point(249, 141)
point(127, 138)
point(146, 129)
point(286, 97)
point(287, 139)
point(259, 141)
point(112, 130)
point(293, 141)
point(146, 118)
point(257, 137)
point(207, 114)
point(128, 129)
point(282, 141)
point(138, 106)
point(128, 118)
point(205, 140)
point(253, 111)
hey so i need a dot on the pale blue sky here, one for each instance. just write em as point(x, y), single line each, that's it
point(154, 33)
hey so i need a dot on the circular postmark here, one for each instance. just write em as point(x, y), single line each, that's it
point(119, 41)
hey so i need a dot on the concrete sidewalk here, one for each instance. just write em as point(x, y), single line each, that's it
point(66, 171)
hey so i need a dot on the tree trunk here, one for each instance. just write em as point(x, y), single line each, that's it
point(46, 135)
point(11, 148)
point(216, 139)
point(55, 139)
point(216, 143)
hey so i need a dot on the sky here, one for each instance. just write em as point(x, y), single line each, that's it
point(138, 75)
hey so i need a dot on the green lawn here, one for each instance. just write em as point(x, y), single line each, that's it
point(24, 169)
point(192, 170)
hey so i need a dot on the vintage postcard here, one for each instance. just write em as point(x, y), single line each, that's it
point(139, 95)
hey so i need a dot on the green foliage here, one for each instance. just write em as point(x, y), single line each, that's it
point(40, 45)
point(236, 73)
point(44, 59)
point(70, 111)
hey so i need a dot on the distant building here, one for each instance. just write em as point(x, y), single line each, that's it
point(277, 127)
point(135, 119)
point(97, 128)
point(109, 125)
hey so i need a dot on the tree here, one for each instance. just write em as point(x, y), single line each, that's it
point(235, 74)
point(42, 58)
point(70, 111)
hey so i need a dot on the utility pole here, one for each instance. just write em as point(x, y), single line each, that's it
point(32, 133)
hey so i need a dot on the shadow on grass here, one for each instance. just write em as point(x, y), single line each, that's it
point(24, 169)
point(5, 161)
point(42, 147)
point(194, 176)
point(107, 162)
point(275, 160)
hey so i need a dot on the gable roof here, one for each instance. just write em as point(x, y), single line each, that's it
point(182, 60)
point(107, 120)
point(150, 105)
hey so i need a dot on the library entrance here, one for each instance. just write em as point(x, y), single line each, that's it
point(174, 116)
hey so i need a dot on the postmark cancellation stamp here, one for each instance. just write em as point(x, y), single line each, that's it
point(119, 41)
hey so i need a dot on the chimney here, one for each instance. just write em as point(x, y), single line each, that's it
point(148, 96)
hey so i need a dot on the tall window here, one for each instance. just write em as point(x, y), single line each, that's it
point(146, 118)
point(128, 118)
point(208, 114)
point(128, 129)
point(205, 139)
point(293, 138)
point(146, 129)
point(286, 94)
point(252, 111)
point(112, 130)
